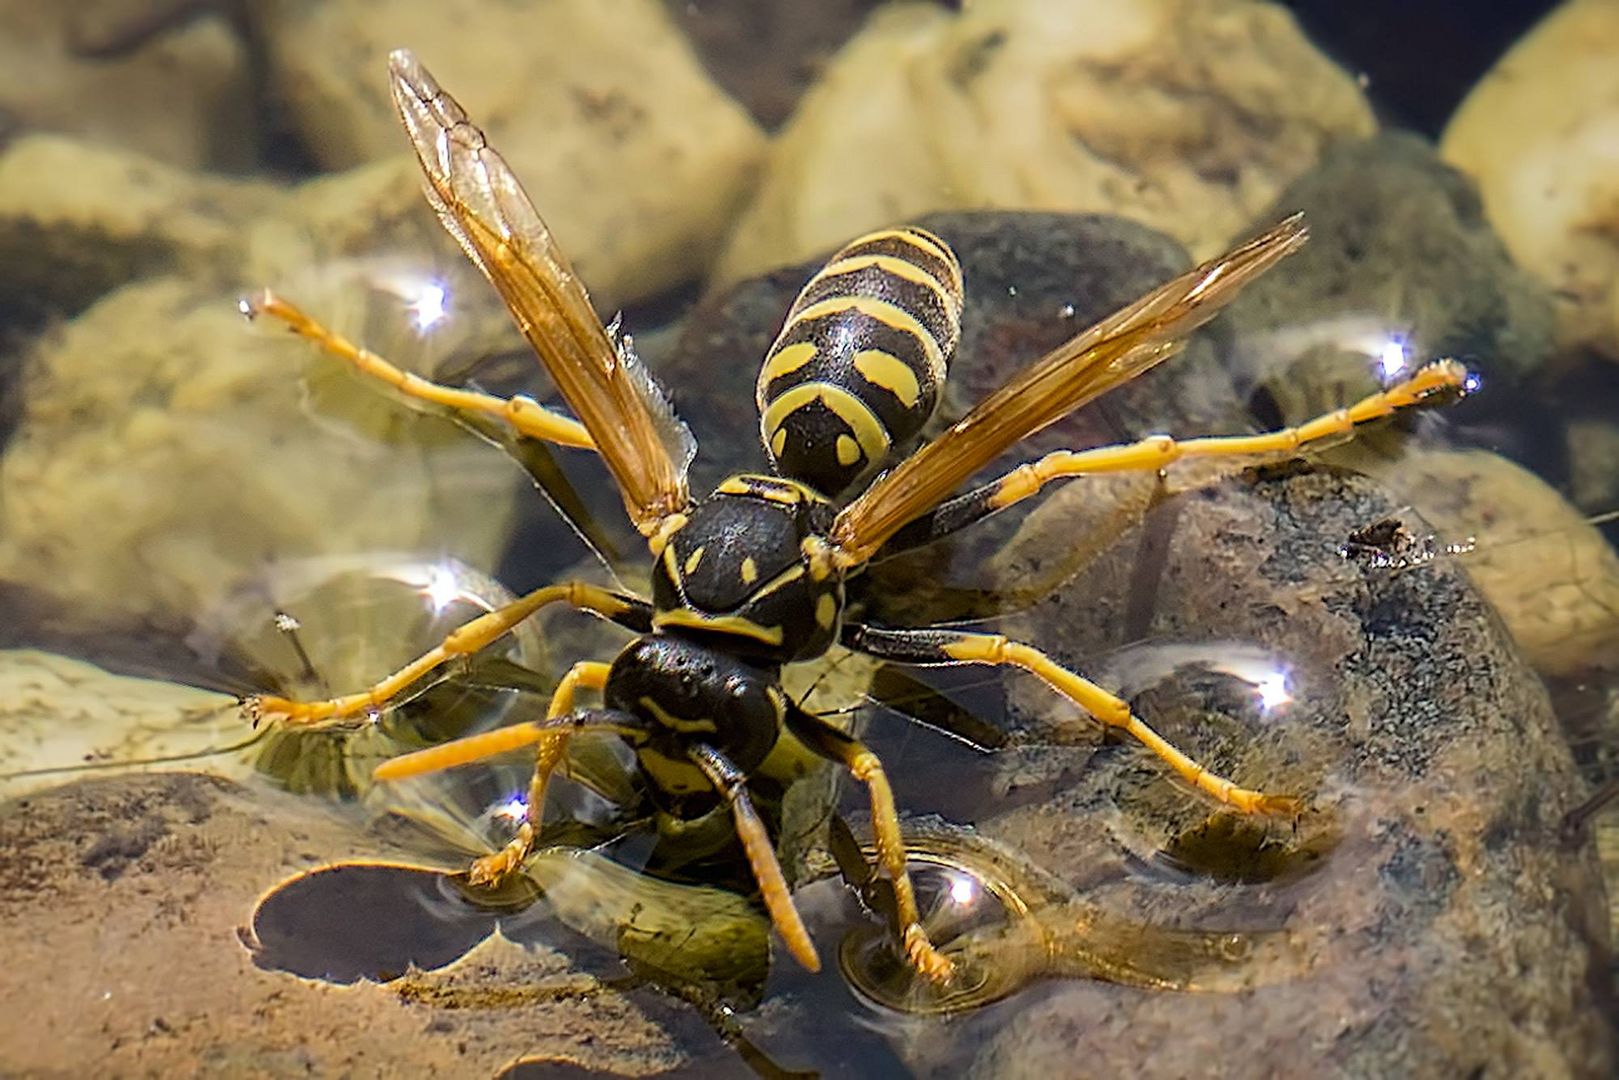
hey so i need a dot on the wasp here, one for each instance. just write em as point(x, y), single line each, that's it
point(760, 573)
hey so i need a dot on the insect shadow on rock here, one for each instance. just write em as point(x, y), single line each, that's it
point(760, 573)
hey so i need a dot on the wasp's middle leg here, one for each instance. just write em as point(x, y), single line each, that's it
point(553, 745)
point(958, 647)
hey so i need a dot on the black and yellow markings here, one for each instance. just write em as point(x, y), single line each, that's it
point(737, 625)
point(776, 489)
point(695, 559)
point(673, 722)
point(865, 430)
point(674, 775)
point(858, 365)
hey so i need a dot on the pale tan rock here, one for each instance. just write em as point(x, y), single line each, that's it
point(632, 154)
point(57, 713)
point(1186, 115)
point(165, 451)
point(1540, 134)
point(1550, 573)
point(183, 98)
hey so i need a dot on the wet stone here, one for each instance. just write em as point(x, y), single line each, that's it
point(107, 885)
point(1436, 923)
point(1399, 251)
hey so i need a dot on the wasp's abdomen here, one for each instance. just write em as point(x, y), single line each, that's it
point(858, 366)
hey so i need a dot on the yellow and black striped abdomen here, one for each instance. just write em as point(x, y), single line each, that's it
point(858, 366)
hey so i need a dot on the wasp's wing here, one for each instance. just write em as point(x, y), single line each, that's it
point(484, 207)
point(1112, 352)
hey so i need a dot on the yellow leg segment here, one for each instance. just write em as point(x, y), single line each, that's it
point(1113, 712)
point(778, 900)
point(526, 416)
point(1160, 451)
point(867, 768)
point(491, 869)
point(463, 641)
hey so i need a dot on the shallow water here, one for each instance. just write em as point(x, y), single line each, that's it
point(192, 500)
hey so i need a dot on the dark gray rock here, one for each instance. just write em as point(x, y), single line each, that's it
point(1438, 925)
point(1399, 247)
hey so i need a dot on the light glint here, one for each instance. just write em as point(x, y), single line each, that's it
point(963, 890)
point(1272, 690)
point(441, 589)
point(1391, 357)
point(428, 305)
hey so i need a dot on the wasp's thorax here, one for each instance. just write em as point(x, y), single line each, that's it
point(750, 566)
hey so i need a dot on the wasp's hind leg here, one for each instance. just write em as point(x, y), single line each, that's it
point(627, 611)
point(958, 647)
point(864, 765)
point(524, 415)
point(731, 783)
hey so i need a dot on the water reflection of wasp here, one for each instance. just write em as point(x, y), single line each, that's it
point(760, 573)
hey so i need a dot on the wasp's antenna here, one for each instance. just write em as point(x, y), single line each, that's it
point(166, 759)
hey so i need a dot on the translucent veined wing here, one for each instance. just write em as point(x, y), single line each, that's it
point(1108, 354)
point(482, 205)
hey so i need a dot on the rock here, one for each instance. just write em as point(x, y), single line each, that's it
point(767, 55)
point(163, 454)
point(1593, 451)
point(1537, 135)
point(184, 100)
point(77, 219)
point(1550, 573)
point(1188, 117)
point(1443, 927)
point(632, 155)
point(60, 713)
point(1399, 255)
point(108, 882)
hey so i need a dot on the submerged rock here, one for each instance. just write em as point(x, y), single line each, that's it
point(1186, 115)
point(633, 155)
point(78, 219)
point(1445, 927)
point(58, 714)
point(183, 101)
point(164, 453)
point(1537, 134)
point(1546, 569)
point(1400, 258)
point(110, 883)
